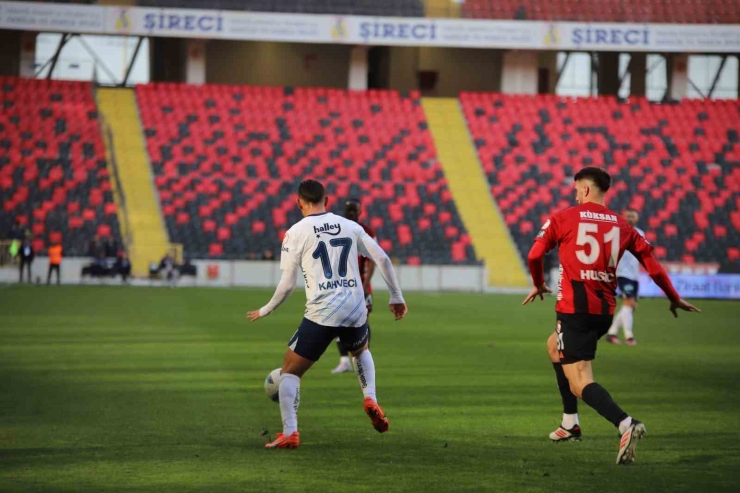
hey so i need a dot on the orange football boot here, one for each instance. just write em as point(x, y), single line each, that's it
point(281, 441)
point(372, 409)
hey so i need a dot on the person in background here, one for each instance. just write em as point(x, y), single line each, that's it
point(123, 266)
point(26, 254)
point(100, 266)
point(93, 248)
point(111, 248)
point(268, 255)
point(167, 265)
point(55, 262)
point(352, 211)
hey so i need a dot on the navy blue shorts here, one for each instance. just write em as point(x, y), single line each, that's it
point(628, 287)
point(312, 339)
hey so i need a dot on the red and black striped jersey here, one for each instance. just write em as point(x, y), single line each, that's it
point(362, 260)
point(590, 239)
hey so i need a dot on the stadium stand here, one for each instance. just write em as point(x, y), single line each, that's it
point(658, 11)
point(679, 164)
point(54, 177)
point(397, 8)
point(228, 160)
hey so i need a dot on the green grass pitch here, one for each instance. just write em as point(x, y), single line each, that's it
point(115, 389)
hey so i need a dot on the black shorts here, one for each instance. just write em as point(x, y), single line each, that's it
point(312, 339)
point(578, 335)
point(628, 287)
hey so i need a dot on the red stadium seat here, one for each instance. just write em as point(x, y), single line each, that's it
point(215, 250)
point(685, 181)
point(58, 189)
point(260, 142)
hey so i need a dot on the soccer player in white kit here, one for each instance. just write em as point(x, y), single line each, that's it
point(628, 275)
point(325, 248)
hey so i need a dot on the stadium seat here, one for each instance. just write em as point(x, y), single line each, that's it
point(678, 164)
point(655, 11)
point(228, 161)
point(397, 8)
point(53, 173)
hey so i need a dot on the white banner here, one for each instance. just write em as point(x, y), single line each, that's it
point(216, 24)
point(383, 31)
point(437, 32)
point(683, 38)
point(29, 16)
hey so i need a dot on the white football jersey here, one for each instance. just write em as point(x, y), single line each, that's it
point(629, 266)
point(325, 247)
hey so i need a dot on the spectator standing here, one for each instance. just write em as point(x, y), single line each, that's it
point(55, 262)
point(167, 265)
point(26, 254)
point(123, 266)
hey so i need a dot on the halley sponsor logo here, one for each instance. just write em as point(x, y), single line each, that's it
point(612, 36)
point(416, 31)
point(598, 216)
point(339, 283)
point(328, 229)
point(597, 275)
point(182, 22)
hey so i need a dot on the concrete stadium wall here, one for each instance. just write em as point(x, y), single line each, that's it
point(459, 69)
point(263, 274)
point(277, 64)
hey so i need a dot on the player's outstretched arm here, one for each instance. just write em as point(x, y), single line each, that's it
point(643, 251)
point(536, 261)
point(283, 291)
point(369, 271)
point(369, 248)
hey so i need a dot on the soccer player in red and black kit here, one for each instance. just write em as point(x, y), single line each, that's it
point(590, 239)
point(352, 211)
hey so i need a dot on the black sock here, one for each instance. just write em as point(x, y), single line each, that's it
point(570, 401)
point(598, 398)
point(342, 350)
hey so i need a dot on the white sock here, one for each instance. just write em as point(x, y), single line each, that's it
point(569, 421)
point(365, 368)
point(627, 319)
point(625, 424)
point(344, 360)
point(614, 329)
point(290, 396)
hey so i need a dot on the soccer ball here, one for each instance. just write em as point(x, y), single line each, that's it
point(272, 385)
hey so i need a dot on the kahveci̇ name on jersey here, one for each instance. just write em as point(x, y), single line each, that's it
point(339, 283)
point(330, 229)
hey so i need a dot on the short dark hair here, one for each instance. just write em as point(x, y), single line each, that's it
point(601, 178)
point(632, 209)
point(311, 191)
